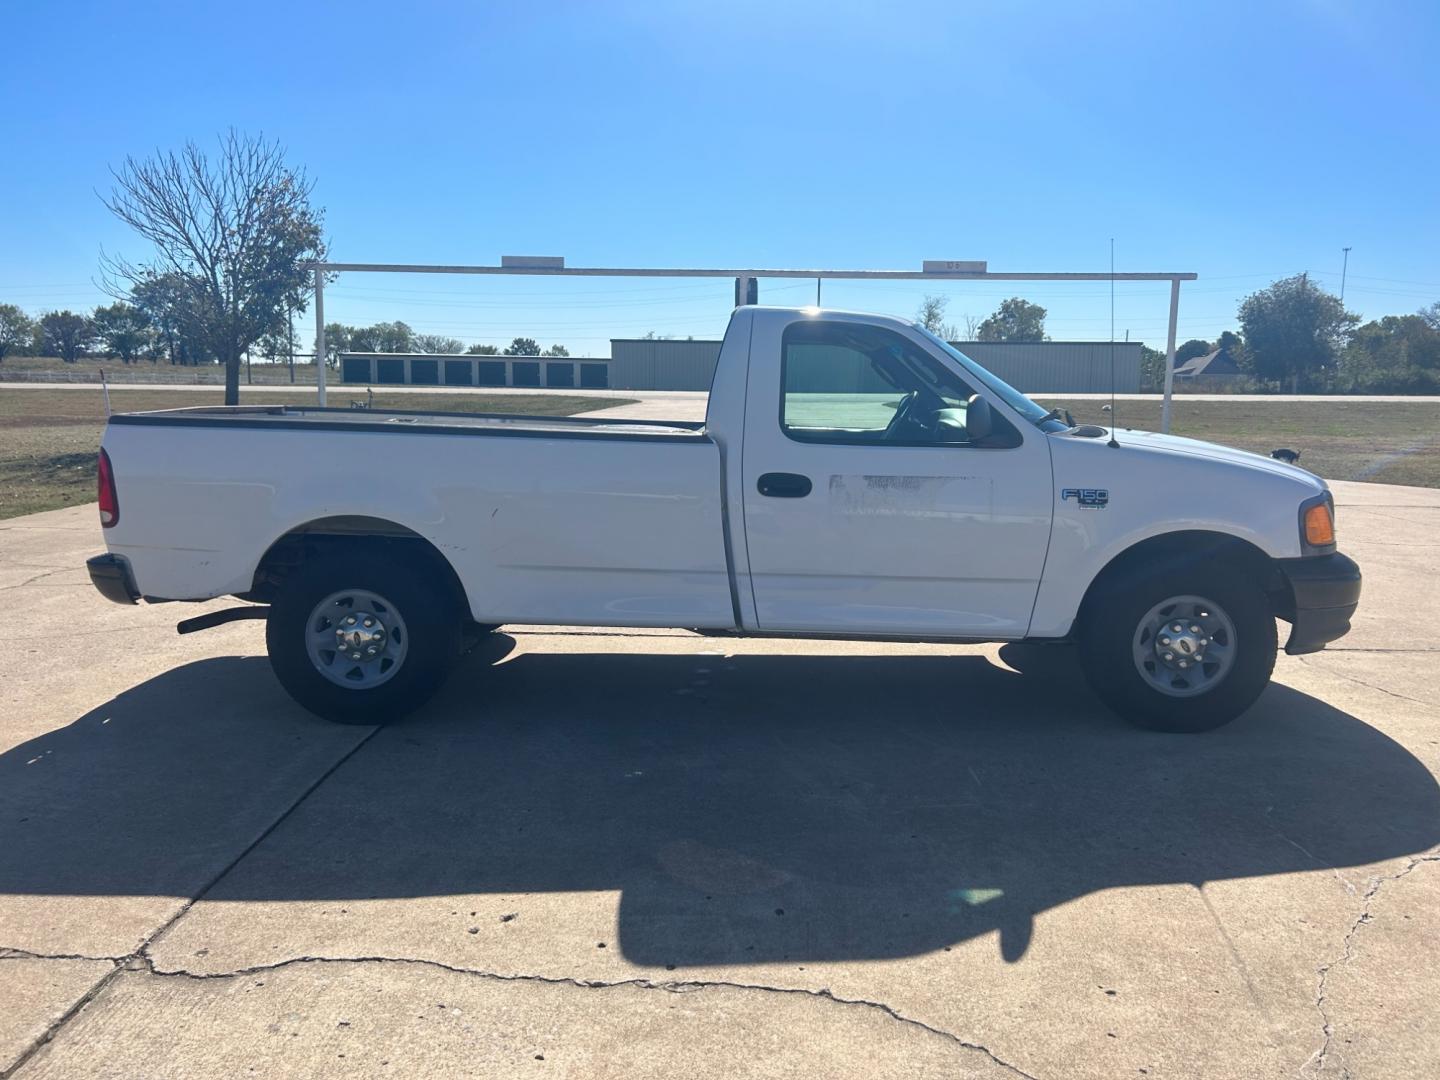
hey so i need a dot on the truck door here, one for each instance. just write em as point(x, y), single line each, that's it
point(869, 505)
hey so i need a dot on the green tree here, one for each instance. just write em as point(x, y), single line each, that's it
point(177, 317)
point(1399, 354)
point(557, 350)
point(338, 338)
point(17, 330)
point(123, 328)
point(1231, 342)
point(1152, 369)
point(482, 350)
point(438, 343)
point(279, 342)
point(1014, 320)
point(65, 334)
point(238, 229)
point(523, 346)
point(1191, 349)
point(391, 337)
point(1293, 332)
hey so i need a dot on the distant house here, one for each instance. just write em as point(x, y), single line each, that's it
point(1215, 366)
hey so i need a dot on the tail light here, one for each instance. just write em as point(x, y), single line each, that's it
point(109, 502)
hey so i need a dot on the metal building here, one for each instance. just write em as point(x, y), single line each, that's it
point(1032, 367)
point(1059, 367)
point(436, 369)
point(651, 364)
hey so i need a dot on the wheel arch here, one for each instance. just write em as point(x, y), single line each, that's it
point(321, 536)
point(1190, 547)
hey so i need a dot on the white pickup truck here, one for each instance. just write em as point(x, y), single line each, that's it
point(855, 477)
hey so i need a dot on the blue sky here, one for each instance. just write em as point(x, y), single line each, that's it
point(1241, 141)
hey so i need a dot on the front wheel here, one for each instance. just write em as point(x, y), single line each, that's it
point(359, 639)
point(1180, 652)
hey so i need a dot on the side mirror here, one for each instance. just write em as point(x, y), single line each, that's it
point(979, 420)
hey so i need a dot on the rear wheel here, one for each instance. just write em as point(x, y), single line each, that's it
point(360, 639)
point(1180, 651)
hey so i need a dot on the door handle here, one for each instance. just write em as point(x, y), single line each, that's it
point(783, 485)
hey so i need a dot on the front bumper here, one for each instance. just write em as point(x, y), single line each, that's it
point(110, 574)
point(1325, 590)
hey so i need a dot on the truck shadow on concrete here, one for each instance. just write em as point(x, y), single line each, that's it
point(748, 808)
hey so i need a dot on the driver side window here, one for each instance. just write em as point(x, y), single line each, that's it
point(852, 383)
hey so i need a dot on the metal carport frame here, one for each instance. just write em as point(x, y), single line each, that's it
point(550, 267)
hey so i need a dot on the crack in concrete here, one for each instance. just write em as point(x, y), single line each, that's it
point(681, 986)
point(128, 628)
point(1363, 649)
point(1327, 1024)
point(139, 955)
point(11, 953)
point(1307, 661)
point(1335, 870)
point(41, 576)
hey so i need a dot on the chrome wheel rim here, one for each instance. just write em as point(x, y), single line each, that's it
point(1184, 646)
point(356, 639)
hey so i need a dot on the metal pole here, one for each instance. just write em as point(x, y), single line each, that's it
point(1344, 267)
point(320, 336)
point(1170, 355)
point(817, 291)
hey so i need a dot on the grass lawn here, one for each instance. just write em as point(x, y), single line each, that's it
point(53, 369)
point(1383, 442)
point(49, 438)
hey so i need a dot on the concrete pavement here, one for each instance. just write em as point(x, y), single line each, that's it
point(647, 853)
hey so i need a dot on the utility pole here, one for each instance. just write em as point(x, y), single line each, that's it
point(1344, 267)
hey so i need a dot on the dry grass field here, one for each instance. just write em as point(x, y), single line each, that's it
point(48, 438)
point(1380, 441)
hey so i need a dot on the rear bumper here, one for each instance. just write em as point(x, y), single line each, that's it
point(110, 574)
point(1326, 591)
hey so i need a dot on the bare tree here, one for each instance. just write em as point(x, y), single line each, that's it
point(238, 232)
point(438, 343)
point(931, 315)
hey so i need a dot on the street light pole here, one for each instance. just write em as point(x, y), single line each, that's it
point(1344, 267)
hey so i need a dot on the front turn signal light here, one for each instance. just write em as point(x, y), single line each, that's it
point(1319, 526)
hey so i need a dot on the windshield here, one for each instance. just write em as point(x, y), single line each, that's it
point(1012, 397)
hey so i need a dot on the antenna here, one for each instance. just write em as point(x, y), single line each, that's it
point(1113, 417)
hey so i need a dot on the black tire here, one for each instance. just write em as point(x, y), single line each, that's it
point(432, 625)
point(1107, 642)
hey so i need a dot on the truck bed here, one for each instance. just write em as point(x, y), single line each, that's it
point(310, 418)
point(547, 519)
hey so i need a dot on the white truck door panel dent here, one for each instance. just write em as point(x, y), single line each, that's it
point(896, 533)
